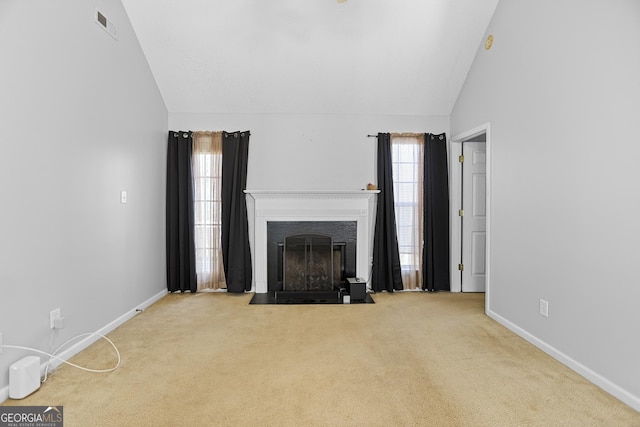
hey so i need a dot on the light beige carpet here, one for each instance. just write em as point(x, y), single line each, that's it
point(411, 359)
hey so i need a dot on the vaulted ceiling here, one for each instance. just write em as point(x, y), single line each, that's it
point(407, 57)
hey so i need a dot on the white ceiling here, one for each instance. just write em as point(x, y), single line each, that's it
point(406, 57)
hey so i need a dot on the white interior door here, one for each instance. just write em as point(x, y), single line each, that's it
point(474, 218)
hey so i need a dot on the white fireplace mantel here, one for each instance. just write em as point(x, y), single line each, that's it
point(312, 205)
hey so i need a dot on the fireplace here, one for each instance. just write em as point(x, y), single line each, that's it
point(325, 208)
point(312, 255)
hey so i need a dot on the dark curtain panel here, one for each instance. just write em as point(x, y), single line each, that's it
point(386, 274)
point(236, 254)
point(181, 264)
point(436, 274)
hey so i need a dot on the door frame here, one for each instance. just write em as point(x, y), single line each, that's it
point(455, 201)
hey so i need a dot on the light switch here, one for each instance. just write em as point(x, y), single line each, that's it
point(123, 197)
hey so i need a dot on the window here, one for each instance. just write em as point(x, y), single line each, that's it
point(408, 167)
point(207, 200)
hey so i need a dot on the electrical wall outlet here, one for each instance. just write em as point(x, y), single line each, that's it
point(544, 307)
point(53, 316)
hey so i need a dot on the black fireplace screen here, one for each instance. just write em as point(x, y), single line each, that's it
point(308, 262)
point(343, 234)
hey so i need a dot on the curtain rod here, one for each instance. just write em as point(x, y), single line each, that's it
point(400, 134)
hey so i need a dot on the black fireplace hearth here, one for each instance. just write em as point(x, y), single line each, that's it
point(306, 297)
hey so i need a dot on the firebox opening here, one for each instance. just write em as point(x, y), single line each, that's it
point(311, 262)
point(333, 244)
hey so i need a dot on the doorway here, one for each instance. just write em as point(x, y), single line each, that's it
point(470, 211)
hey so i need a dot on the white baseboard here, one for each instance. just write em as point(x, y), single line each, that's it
point(82, 344)
point(610, 387)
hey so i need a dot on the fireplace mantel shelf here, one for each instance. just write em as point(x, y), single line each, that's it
point(310, 193)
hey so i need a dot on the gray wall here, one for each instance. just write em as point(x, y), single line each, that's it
point(561, 90)
point(309, 151)
point(80, 119)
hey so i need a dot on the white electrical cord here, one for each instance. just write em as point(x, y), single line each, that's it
point(53, 355)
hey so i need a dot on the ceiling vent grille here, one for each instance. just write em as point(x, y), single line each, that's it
point(106, 25)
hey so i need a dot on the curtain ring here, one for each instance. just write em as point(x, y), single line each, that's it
point(185, 135)
point(441, 137)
